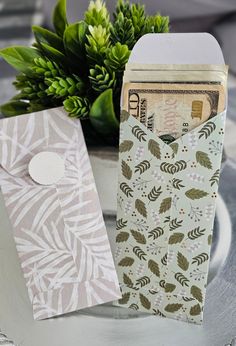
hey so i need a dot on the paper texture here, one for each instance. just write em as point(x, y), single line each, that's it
point(58, 229)
point(166, 207)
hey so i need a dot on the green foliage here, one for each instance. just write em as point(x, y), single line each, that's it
point(101, 78)
point(76, 106)
point(63, 87)
point(80, 65)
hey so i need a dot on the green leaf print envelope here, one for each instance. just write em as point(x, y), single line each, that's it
point(167, 197)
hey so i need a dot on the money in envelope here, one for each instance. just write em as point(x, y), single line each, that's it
point(171, 141)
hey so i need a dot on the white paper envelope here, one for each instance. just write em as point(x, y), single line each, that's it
point(166, 201)
point(58, 227)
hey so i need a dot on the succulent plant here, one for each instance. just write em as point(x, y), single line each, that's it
point(80, 65)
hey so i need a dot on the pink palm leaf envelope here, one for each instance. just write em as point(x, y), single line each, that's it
point(58, 225)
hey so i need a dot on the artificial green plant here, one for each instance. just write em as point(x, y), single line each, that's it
point(80, 65)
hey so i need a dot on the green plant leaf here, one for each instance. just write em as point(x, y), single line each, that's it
point(75, 39)
point(45, 36)
point(21, 58)
point(13, 108)
point(54, 54)
point(59, 17)
point(102, 114)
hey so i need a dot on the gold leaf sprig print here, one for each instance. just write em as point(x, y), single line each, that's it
point(139, 237)
point(182, 261)
point(165, 205)
point(126, 146)
point(126, 170)
point(154, 267)
point(141, 207)
point(144, 301)
point(203, 159)
point(154, 149)
point(195, 193)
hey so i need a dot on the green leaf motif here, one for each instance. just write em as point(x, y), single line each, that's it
point(175, 147)
point(154, 194)
point(195, 310)
point(127, 281)
point(173, 307)
point(122, 237)
point(124, 299)
point(174, 224)
point(139, 133)
point(181, 279)
point(182, 261)
point(179, 166)
point(177, 184)
point(200, 259)
point(164, 260)
point(139, 253)
point(203, 159)
point(169, 287)
point(126, 146)
point(207, 130)
point(143, 281)
point(142, 167)
point(120, 224)
point(154, 267)
point(176, 238)
point(154, 148)
point(196, 293)
point(126, 170)
point(196, 233)
point(157, 312)
point(139, 237)
point(126, 190)
point(59, 17)
point(141, 208)
point(126, 262)
point(195, 194)
point(215, 178)
point(156, 233)
point(209, 239)
point(134, 307)
point(124, 116)
point(144, 301)
point(165, 205)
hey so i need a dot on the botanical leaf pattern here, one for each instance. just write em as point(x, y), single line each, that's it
point(58, 229)
point(170, 220)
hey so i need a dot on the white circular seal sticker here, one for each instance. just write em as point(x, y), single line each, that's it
point(46, 168)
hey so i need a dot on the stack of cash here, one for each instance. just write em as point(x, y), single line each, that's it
point(171, 100)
